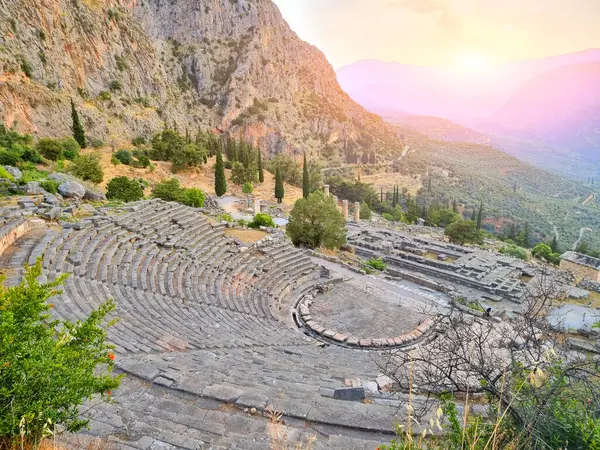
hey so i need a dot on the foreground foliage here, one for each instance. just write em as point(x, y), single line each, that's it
point(316, 221)
point(48, 368)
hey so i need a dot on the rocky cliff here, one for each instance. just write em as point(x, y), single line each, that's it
point(132, 65)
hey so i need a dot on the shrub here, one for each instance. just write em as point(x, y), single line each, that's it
point(50, 186)
point(169, 191)
point(5, 174)
point(316, 221)
point(376, 263)
point(48, 368)
point(464, 232)
point(262, 220)
point(514, 251)
point(194, 197)
point(32, 155)
point(139, 140)
point(70, 148)
point(51, 149)
point(8, 158)
point(124, 189)
point(124, 156)
point(95, 142)
point(365, 211)
point(225, 217)
point(87, 167)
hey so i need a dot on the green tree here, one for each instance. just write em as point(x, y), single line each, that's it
point(365, 211)
point(48, 368)
point(78, 131)
point(316, 221)
point(124, 189)
point(261, 172)
point(88, 168)
point(554, 245)
point(220, 181)
point(248, 189)
point(464, 232)
point(480, 215)
point(523, 238)
point(279, 189)
point(305, 179)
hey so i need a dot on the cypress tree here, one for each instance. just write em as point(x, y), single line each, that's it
point(554, 245)
point(480, 215)
point(305, 179)
point(279, 191)
point(78, 132)
point(261, 172)
point(220, 181)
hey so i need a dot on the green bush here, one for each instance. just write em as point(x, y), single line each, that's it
point(262, 220)
point(124, 156)
point(50, 186)
point(124, 189)
point(48, 368)
point(8, 158)
point(70, 148)
point(87, 167)
point(169, 191)
point(32, 155)
point(515, 251)
point(5, 174)
point(139, 140)
point(50, 149)
point(194, 197)
point(464, 232)
point(376, 263)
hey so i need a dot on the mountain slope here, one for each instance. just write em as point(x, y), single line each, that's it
point(560, 107)
point(132, 66)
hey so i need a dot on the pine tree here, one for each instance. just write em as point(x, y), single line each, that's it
point(78, 132)
point(261, 172)
point(305, 179)
point(220, 181)
point(279, 191)
point(480, 215)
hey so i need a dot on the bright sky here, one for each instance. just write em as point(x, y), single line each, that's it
point(449, 33)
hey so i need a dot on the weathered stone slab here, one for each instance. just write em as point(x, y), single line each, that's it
point(352, 394)
point(226, 394)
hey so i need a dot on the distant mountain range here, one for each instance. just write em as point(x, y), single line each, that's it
point(551, 103)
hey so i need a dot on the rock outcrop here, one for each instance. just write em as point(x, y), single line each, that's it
point(131, 66)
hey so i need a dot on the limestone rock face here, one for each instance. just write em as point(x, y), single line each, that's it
point(132, 65)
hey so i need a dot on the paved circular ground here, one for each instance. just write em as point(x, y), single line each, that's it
point(368, 310)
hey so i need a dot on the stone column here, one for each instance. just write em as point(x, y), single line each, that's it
point(326, 190)
point(345, 209)
point(256, 206)
point(357, 212)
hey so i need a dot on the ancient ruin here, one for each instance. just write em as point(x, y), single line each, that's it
point(207, 320)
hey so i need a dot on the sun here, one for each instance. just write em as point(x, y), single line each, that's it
point(472, 62)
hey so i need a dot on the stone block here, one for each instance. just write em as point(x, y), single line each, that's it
point(384, 383)
point(353, 394)
point(226, 394)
